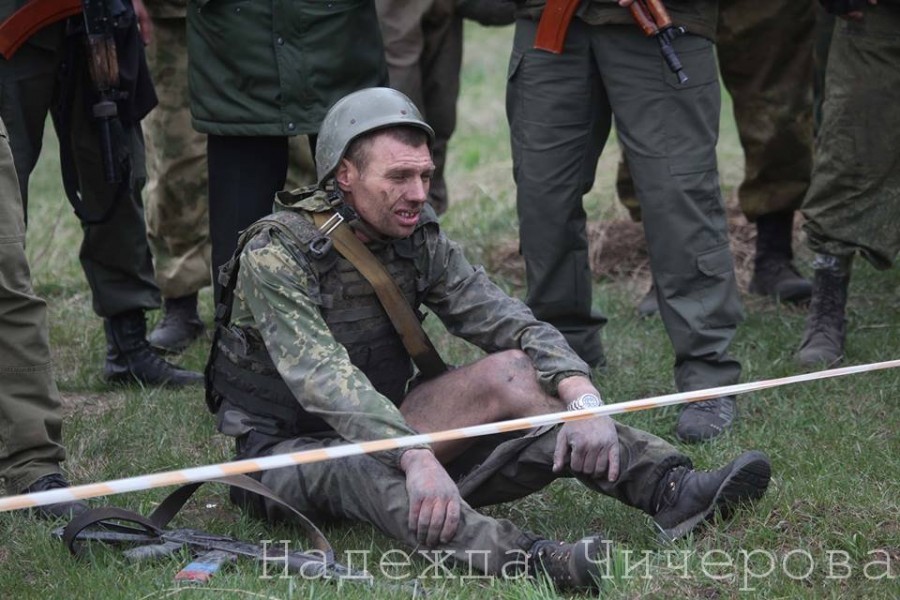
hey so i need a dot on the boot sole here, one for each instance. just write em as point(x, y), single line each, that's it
point(747, 482)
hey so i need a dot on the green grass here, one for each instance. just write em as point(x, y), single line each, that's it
point(834, 445)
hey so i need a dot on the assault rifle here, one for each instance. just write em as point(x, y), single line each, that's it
point(101, 19)
point(31, 18)
point(650, 15)
point(654, 20)
point(149, 539)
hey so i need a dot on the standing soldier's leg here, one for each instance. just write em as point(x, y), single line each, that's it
point(559, 121)
point(441, 65)
point(177, 209)
point(853, 204)
point(115, 256)
point(766, 61)
point(30, 420)
point(669, 133)
point(423, 48)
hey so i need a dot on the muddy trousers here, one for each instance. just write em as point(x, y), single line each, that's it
point(363, 488)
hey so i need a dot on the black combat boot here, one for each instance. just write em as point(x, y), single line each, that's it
point(649, 304)
point(774, 274)
point(685, 497)
point(179, 327)
point(571, 567)
point(129, 357)
point(826, 325)
point(706, 419)
point(60, 510)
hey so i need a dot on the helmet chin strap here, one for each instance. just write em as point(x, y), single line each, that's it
point(337, 200)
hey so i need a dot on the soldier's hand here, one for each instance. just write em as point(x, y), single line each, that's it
point(590, 447)
point(434, 501)
point(851, 10)
point(145, 24)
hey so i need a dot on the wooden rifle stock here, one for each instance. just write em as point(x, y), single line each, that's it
point(31, 18)
point(554, 23)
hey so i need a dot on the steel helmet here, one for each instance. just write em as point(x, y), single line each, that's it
point(359, 113)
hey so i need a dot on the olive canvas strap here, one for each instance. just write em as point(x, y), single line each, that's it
point(401, 314)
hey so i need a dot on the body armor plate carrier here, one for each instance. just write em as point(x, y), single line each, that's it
point(241, 374)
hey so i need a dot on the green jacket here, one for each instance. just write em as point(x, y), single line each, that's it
point(274, 67)
point(697, 16)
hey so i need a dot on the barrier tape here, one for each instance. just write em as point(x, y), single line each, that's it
point(183, 476)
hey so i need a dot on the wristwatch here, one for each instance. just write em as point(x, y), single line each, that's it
point(585, 401)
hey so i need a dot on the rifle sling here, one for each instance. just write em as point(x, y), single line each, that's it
point(31, 18)
point(169, 507)
point(401, 314)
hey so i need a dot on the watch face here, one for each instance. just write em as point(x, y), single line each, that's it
point(588, 401)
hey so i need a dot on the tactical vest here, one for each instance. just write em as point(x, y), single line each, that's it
point(242, 375)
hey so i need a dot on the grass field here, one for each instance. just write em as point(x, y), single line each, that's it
point(829, 526)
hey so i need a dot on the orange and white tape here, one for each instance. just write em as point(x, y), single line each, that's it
point(182, 476)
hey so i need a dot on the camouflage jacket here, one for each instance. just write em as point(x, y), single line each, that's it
point(276, 295)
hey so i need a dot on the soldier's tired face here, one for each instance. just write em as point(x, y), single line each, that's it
point(387, 183)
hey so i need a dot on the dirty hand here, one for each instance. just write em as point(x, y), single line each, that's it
point(434, 502)
point(591, 447)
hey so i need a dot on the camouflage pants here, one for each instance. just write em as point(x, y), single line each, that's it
point(177, 205)
point(765, 53)
point(853, 202)
point(495, 470)
point(30, 419)
point(423, 46)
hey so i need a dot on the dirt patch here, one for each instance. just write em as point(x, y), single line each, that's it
point(618, 250)
point(90, 404)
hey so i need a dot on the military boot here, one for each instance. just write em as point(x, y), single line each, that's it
point(826, 325)
point(649, 304)
point(60, 510)
point(706, 419)
point(773, 272)
point(684, 498)
point(179, 327)
point(570, 567)
point(129, 357)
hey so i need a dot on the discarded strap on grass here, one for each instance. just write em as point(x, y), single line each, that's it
point(265, 463)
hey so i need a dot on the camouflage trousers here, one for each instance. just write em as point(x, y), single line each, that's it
point(423, 44)
point(853, 202)
point(30, 418)
point(765, 53)
point(496, 469)
point(177, 206)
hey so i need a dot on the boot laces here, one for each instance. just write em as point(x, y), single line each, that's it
point(827, 312)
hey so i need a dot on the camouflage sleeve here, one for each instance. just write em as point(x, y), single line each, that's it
point(274, 283)
point(472, 307)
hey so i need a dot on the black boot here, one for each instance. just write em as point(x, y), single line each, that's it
point(826, 325)
point(774, 274)
point(60, 510)
point(703, 420)
point(649, 304)
point(179, 327)
point(686, 498)
point(570, 567)
point(129, 357)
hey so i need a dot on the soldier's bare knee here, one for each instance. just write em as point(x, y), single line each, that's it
point(512, 379)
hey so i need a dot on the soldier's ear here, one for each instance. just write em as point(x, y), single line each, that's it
point(346, 174)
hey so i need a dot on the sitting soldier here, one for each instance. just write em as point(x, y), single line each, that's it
point(307, 357)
